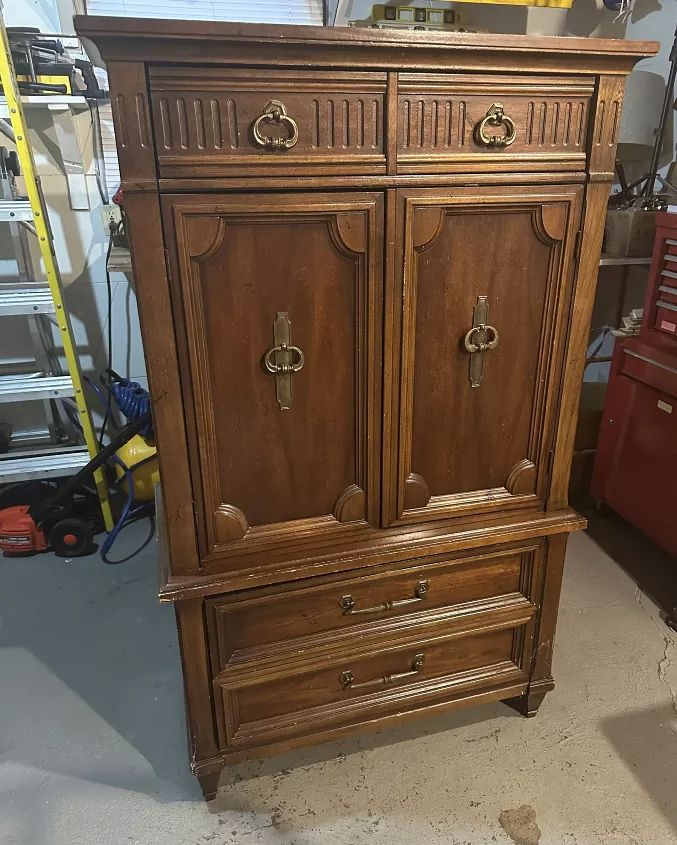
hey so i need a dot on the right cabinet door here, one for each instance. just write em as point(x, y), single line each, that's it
point(476, 325)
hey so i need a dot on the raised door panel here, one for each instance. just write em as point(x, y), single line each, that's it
point(280, 305)
point(483, 289)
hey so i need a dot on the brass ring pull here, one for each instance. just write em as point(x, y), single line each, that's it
point(347, 603)
point(347, 678)
point(496, 117)
point(288, 365)
point(488, 332)
point(275, 114)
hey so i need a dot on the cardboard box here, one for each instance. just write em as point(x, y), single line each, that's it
point(629, 232)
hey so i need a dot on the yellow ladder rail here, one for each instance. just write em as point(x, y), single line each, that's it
point(45, 240)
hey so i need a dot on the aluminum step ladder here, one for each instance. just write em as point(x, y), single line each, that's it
point(42, 303)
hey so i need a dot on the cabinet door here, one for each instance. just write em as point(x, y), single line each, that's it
point(278, 301)
point(477, 324)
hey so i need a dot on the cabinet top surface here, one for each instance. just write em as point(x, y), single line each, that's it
point(151, 38)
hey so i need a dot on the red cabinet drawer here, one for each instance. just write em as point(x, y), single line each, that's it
point(668, 293)
point(666, 316)
point(659, 326)
point(651, 371)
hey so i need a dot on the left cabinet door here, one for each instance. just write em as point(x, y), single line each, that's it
point(278, 307)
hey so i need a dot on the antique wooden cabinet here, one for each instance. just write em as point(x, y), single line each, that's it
point(365, 263)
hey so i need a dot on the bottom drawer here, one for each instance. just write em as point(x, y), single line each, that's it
point(364, 686)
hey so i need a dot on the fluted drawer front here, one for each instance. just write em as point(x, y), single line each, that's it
point(453, 121)
point(228, 122)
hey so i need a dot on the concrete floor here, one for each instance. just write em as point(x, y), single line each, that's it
point(92, 746)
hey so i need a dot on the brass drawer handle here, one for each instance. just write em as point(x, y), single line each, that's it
point(496, 117)
point(347, 679)
point(275, 114)
point(347, 603)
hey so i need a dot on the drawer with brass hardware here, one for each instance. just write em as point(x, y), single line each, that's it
point(230, 122)
point(247, 626)
point(262, 704)
point(452, 122)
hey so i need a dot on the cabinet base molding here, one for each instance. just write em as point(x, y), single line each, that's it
point(394, 546)
point(209, 774)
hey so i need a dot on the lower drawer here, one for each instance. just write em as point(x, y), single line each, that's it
point(245, 626)
point(649, 368)
point(267, 704)
point(666, 317)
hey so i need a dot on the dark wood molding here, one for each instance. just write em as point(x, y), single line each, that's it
point(208, 42)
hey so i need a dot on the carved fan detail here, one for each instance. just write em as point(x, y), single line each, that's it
point(229, 524)
point(522, 479)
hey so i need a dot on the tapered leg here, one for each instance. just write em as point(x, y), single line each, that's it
point(209, 781)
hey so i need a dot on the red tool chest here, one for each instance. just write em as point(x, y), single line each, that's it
point(635, 469)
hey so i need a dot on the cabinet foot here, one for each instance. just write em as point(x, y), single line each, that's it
point(209, 781)
point(528, 703)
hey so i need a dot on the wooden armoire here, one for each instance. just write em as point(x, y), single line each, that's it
point(365, 262)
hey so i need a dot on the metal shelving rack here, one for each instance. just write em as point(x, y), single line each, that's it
point(41, 303)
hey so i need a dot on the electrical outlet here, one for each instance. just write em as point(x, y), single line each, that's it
point(111, 215)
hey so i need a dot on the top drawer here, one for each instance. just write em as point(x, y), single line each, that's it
point(454, 122)
point(230, 122)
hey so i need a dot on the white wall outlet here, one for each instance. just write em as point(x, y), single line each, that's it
point(111, 215)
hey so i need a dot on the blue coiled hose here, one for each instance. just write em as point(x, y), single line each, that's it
point(132, 400)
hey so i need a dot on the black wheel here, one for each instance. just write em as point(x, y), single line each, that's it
point(71, 538)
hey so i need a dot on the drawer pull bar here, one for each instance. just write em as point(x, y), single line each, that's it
point(347, 603)
point(347, 678)
point(496, 116)
point(275, 114)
